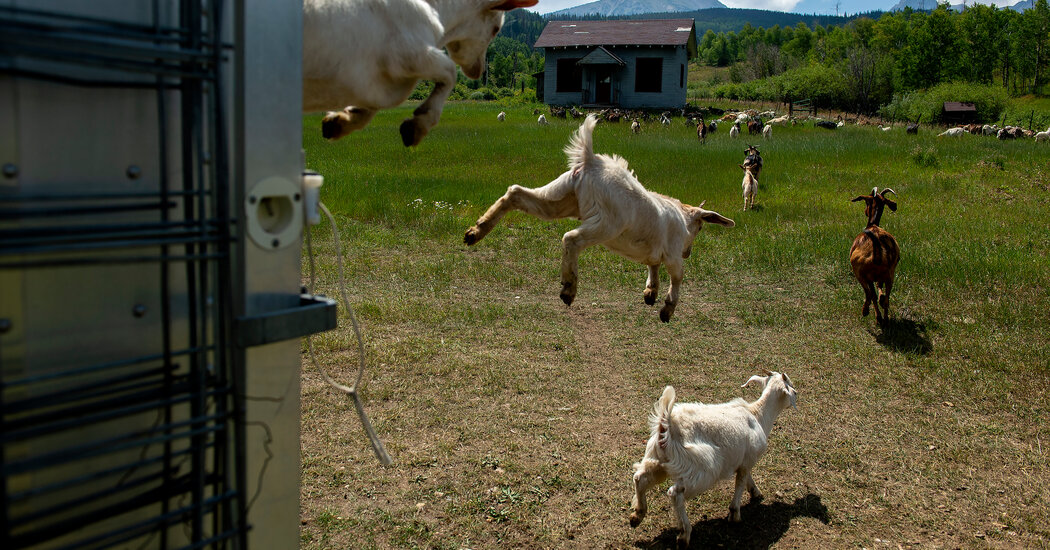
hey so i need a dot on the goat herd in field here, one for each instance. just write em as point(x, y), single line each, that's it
point(370, 54)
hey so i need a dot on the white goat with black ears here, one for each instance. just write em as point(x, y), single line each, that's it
point(615, 211)
point(697, 445)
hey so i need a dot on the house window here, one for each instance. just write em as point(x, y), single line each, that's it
point(681, 76)
point(570, 78)
point(648, 74)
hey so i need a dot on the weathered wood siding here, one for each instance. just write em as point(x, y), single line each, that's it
point(673, 79)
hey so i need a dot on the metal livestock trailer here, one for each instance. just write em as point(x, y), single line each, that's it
point(150, 243)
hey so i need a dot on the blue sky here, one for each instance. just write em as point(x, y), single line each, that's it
point(796, 6)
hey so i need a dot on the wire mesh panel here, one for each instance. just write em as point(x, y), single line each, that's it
point(118, 408)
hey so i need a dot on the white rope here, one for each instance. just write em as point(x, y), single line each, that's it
point(377, 445)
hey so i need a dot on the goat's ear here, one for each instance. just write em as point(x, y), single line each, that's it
point(756, 378)
point(891, 204)
point(507, 5)
point(861, 198)
point(714, 217)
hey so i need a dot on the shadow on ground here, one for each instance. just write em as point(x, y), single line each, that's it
point(763, 525)
point(904, 335)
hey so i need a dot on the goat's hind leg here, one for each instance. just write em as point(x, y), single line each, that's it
point(553, 201)
point(652, 285)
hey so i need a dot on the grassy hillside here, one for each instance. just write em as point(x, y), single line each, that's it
point(514, 420)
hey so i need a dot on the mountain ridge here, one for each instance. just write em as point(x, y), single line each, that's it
point(608, 8)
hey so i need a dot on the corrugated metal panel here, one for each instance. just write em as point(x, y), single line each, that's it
point(648, 32)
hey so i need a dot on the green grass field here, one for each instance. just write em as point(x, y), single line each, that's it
point(514, 420)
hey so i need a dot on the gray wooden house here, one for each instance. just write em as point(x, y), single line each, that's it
point(624, 63)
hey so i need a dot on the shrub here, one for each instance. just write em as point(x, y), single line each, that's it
point(990, 102)
point(482, 94)
point(528, 97)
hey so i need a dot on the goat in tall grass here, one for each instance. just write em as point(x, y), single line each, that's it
point(749, 185)
point(615, 211)
point(874, 254)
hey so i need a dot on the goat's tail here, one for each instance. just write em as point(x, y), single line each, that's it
point(580, 149)
point(660, 419)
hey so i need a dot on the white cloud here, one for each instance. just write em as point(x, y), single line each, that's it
point(774, 5)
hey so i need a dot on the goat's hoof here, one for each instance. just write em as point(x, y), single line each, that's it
point(683, 543)
point(650, 299)
point(412, 132)
point(472, 236)
point(864, 312)
point(332, 125)
point(666, 312)
point(734, 515)
point(636, 519)
point(567, 298)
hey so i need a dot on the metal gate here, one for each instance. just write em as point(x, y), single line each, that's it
point(132, 217)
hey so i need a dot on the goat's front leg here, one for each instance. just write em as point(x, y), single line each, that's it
point(438, 67)
point(677, 494)
point(647, 473)
point(756, 495)
point(675, 273)
point(884, 298)
point(591, 232)
point(743, 477)
point(652, 285)
point(337, 124)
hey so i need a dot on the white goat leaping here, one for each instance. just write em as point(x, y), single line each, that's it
point(698, 445)
point(371, 53)
point(615, 211)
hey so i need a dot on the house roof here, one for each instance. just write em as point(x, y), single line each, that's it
point(956, 107)
point(601, 56)
point(641, 32)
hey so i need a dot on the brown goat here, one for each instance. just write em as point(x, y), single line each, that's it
point(874, 254)
point(701, 132)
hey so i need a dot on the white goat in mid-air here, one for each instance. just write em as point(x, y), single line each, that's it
point(698, 445)
point(615, 211)
point(371, 53)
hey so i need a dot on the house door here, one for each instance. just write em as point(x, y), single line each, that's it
point(603, 85)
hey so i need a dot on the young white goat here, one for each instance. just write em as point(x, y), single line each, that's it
point(734, 132)
point(698, 445)
point(635, 127)
point(749, 185)
point(1043, 136)
point(767, 131)
point(371, 54)
point(953, 132)
point(501, 116)
point(542, 121)
point(615, 211)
